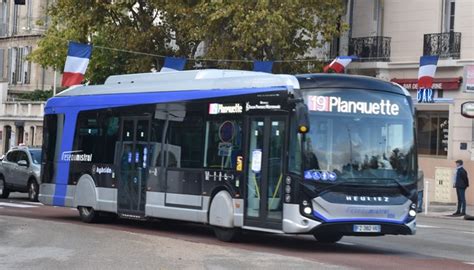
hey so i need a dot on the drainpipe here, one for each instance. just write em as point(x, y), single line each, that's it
point(351, 13)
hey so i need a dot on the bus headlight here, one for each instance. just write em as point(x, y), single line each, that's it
point(307, 210)
point(287, 188)
point(412, 213)
point(413, 206)
point(288, 180)
point(287, 198)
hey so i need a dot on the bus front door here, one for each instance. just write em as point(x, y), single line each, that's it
point(264, 183)
point(133, 166)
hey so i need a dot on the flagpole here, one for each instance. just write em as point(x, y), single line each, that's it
point(54, 84)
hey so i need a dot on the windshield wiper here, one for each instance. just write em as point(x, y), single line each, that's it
point(400, 185)
point(326, 189)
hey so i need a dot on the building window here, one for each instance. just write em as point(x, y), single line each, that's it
point(432, 132)
point(3, 18)
point(449, 14)
point(20, 73)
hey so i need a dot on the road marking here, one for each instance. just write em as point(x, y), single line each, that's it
point(467, 232)
point(470, 263)
point(34, 203)
point(17, 205)
point(346, 243)
point(425, 226)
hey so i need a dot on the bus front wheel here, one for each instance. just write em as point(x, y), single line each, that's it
point(88, 214)
point(328, 237)
point(226, 234)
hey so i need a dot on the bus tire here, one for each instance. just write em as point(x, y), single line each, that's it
point(328, 238)
point(88, 214)
point(227, 234)
point(4, 192)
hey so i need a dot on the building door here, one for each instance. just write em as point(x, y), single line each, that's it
point(133, 164)
point(265, 170)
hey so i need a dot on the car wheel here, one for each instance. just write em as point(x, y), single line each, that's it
point(88, 214)
point(328, 237)
point(227, 234)
point(33, 191)
point(4, 192)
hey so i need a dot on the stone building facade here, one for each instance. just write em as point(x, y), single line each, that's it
point(389, 36)
point(21, 121)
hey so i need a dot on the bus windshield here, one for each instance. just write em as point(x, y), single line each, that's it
point(359, 137)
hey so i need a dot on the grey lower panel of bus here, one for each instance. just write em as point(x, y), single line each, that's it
point(47, 193)
point(294, 222)
point(178, 206)
point(158, 204)
point(155, 206)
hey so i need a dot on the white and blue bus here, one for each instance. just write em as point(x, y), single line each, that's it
point(322, 154)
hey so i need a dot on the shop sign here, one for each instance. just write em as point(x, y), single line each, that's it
point(438, 83)
point(469, 78)
point(425, 96)
point(467, 109)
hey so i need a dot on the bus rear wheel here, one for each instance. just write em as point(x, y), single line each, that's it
point(227, 234)
point(88, 214)
point(328, 237)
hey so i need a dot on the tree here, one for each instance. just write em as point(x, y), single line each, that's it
point(255, 30)
point(233, 30)
point(124, 25)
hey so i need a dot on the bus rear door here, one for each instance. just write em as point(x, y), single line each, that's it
point(133, 165)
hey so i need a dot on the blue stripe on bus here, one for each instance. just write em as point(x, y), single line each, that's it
point(89, 102)
point(62, 174)
point(384, 220)
point(70, 106)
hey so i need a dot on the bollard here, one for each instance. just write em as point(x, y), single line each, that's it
point(427, 184)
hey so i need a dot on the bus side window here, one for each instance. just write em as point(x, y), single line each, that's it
point(223, 143)
point(184, 141)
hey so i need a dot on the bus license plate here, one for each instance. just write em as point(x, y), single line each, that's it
point(367, 228)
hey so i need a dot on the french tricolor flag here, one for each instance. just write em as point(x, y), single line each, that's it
point(78, 56)
point(339, 64)
point(427, 71)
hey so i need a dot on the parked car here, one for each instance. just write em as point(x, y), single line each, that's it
point(20, 171)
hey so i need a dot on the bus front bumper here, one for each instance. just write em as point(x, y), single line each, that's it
point(294, 222)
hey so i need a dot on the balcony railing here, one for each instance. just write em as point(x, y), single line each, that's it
point(369, 49)
point(444, 45)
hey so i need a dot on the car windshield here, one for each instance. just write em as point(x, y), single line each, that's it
point(364, 144)
point(35, 156)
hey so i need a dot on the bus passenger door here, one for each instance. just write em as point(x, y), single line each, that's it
point(264, 171)
point(133, 165)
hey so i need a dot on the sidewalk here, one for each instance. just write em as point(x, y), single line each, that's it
point(445, 210)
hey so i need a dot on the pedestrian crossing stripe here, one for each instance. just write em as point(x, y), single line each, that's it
point(17, 205)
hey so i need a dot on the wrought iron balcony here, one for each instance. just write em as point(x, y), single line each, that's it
point(444, 45)
point(370, 49)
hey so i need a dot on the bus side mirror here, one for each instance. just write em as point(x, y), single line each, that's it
point(302, 118)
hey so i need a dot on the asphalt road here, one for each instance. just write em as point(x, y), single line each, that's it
point(33, 236)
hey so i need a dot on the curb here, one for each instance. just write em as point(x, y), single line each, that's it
point(447, 216)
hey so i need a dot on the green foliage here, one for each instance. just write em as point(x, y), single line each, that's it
point(37, 95)
point(232, 30)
